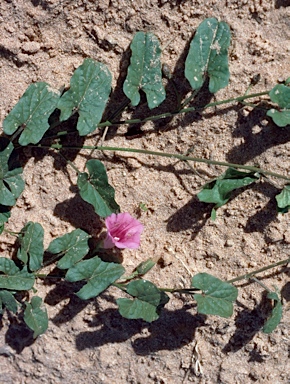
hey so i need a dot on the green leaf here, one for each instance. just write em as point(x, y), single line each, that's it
point(13, 278)
point(276, 314)
point(90, 87)
point(31, 245)
point(73, 245)
point(208, 56)
point(31, 113)
point(219, 190)
point(8, 266)
point(217, 297)
point(283, 199)
point(137, 309)
point(280, 95)
point(95, 189)
point(11, 183)
point(97, 273)
point(144, 71)
point(147, 302)
point(145, 266)
point(4, 216)
point(7, 300)
point(35, 316)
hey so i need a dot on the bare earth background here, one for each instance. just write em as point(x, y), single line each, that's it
point(89, 341)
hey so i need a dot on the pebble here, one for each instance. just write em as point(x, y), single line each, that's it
point(229, 243)
point(30, 47)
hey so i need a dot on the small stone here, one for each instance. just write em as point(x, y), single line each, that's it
point(229, 243)
point(30, 47)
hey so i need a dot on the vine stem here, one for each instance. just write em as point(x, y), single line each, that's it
point(183, 110)
point(172, 155)
point(260, 283)
point(109, 123)
point(247, 276)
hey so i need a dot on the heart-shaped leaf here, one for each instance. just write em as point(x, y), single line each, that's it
point(280, 95)
point(35, 316)
point(95, 189)
point(283, 199)
point(276, 314)
point(31, 113)
point(217, 297)
point(147, 302)
point(11, 183)
point(31, 245)
point(144, 71)
point(90, 87)
point(8, 301)
point(73, 246)
point(13, 278)
point(97, 273)
point(208, 56)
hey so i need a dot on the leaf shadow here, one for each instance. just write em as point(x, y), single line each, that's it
point(254, 144)
point(79, 214)
point(282, 3)
point(265, 214)
point(179, 324)
point(18, 336)
point(44, 5)
point(285, 291)
point(192, 215)
point(248, 323)
point(173, 3)
point(114, 105)
point(195, 213)
point(71, 139)
point(65, 290)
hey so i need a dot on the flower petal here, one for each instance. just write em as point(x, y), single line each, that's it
point(123, 231)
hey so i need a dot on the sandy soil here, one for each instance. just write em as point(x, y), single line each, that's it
point(89, 341)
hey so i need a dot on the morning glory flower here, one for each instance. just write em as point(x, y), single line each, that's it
point(123, 231)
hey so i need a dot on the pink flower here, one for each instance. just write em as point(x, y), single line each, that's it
point(123, 231)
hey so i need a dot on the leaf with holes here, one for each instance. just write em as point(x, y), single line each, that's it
point(144, 72)
point(31, 245)
point(98, 275)
point(90, 87)
point(35, 316)
point(219, 190)
point(280, 95)
point(283, 199)
point(208, 56)
point(72, 246)
point(217, 296)
point(147, 302)
point(13, 278)
point(11, 182)
point(31, 113)
point(276, 314)
point(95, 189)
